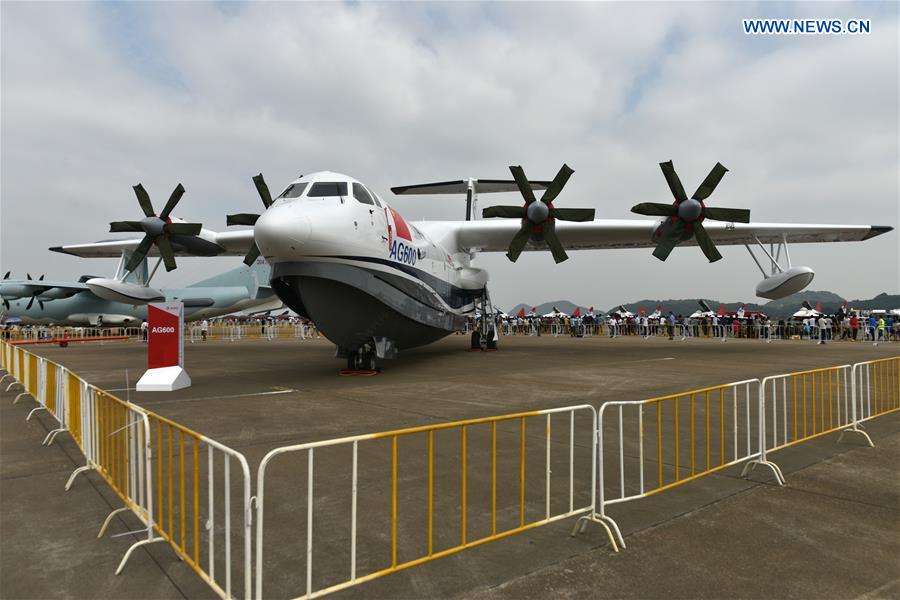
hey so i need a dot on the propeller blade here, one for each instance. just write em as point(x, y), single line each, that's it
point(165, 250)
point(706, 244)
point(123, 226)
point(518, 242)
point(41, 278)
point(573, 214)
point(139, 253)
point(511, 212)
point(252, 255)
point(669, 238)
point(241, 219)
point(30, 302)
point(41, 303)
point(734, 215)
point(183, 228)
point(522, 182)
point(144, 200)
point(7, 275)
point(263, 190)
point(655, 209)
point(556, 249)
point(6, 303)
point(709, 184)
point(28, 275)
point(177, 193)
point(557, 185)
point(674, 182)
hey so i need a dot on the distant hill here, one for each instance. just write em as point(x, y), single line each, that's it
point(542, 309)
point(778, 309)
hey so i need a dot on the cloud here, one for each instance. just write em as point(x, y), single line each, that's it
point(96, 97)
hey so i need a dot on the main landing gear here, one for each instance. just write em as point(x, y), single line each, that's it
point(486, 342)
point(484, 335)
point(364, 360)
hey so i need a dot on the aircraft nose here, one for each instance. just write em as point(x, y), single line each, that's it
point(281, 231)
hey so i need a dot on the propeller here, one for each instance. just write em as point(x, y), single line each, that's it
point(157, 229)
point(686, 215)
point(249, 218)
point(539, 217)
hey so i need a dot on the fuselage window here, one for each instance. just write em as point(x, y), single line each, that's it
point(362, 194)
point(294, 190)
point(327, 188)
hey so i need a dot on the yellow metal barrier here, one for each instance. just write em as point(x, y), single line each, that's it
point(876, 387)
point(806, 404)
point(691, 434)
point(420, 506)
point(118, 439)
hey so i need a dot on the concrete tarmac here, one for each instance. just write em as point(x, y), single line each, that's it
point(833, 531)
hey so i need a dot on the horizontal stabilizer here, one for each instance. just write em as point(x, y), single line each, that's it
point(482, 186)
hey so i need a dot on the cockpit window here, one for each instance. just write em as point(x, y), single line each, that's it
point(362, 194)
point(328, 188)
point(294, 190)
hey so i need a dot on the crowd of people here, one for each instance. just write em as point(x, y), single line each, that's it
point(882, 327)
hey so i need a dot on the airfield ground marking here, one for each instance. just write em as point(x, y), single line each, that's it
point(269, 393)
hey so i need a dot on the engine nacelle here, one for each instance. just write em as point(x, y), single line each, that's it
point(784, 284)
point(120, 291)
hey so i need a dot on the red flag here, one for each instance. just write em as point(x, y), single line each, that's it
point(591, 309)
point(721, 310)
point(521, 313)
point(642, 311)
point(577, 312)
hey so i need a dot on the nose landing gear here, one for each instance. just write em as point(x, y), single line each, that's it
point(361, 362)
point(364, 360)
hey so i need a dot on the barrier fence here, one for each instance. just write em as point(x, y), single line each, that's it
point(502, 489)
point(195, 488)
point(154, 465)
point(876, 387)
point(374, 504)
point(693, 434)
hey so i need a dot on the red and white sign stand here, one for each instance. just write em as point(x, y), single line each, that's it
point(165, 349)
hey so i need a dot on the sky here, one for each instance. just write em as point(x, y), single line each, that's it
point(96, 97)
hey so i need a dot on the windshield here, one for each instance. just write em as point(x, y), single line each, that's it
point(328, 188)
point(294, 190)
point(362, 194)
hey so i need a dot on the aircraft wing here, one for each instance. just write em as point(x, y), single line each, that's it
point(494, 235)
point(208, 243)
point(38, 284)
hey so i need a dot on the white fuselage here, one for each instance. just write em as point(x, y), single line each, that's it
point(336, 248)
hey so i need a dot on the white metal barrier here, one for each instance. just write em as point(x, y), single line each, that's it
point(621, 429)
point(876, 388)
point(486, 431)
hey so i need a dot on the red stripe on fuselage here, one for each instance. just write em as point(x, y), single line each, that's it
point(402, 227)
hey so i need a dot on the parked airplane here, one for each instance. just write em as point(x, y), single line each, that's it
point(90, 301)
point(374, 283)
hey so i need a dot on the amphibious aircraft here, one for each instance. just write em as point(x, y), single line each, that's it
point(374, 283)
point(97, 301)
